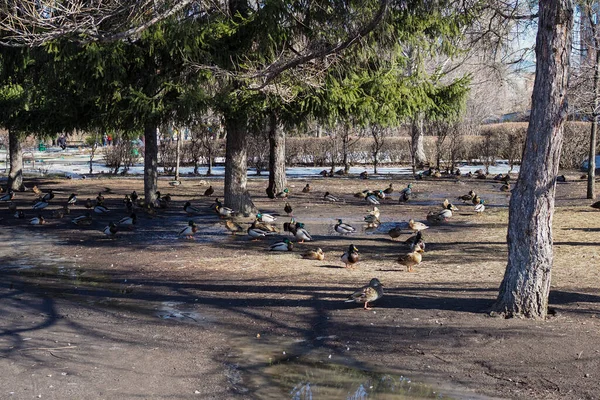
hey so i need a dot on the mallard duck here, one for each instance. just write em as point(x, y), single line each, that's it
point(36, 190)
point(343, 228)
point(437, 174)
point(596, 205)
point(367, 294)
point(58, 214)
point(416, 226)
point(89, 203)
point(19, 215)
point(479, 208)
point(266, 218)
point(214, 205)
point(375, 212)
point(507, 178)
point(209, 191)
point(324, 173)
point(498, 177)
point(364, 175)
point(12, 206)
point(286, 245)
point(48, 196)
point(288, 209)
point(306, 188)
point(389, 189)
point(405, 194)
point(128, 221)
point(481, 176)
point(435, 217)
point(233, 227)
point(224, 212)
point(290, 226)
point(372, 199)
point(395, 232)
point(99, 198)
point(409, 260)
point(100, 209)
point(265, 226)
point(174, 183)
point(446, 213)
point(256, 233)
point(380, 194)
point(314, 255)
point(128, 205)
point(134, 196)
point(39, 220)
point(111, 229)
point(467, 197)
point(162, 201)
point(561, 178)
point(191, 210)
point(189, 230)
point(329, 197)
point(72, 199)
point(8, 196)
point(40, 205)
point(447, 204)
point(371, 219)
point(505, 187)
point(302, 234)
point(416, 243)
point(476, 199)
point(419, 176)
point(350, 257)
point(283, 194)
point(83, 220)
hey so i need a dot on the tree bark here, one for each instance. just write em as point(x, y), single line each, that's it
point(417, 142)
point(526, 284)
point(178, 154)
point(277, 179)
point(150, 163)
point(15, 175)
point(236, 166)
point(345, 141)
point(591, 179)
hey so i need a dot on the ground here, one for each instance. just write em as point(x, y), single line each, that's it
point(150, 315)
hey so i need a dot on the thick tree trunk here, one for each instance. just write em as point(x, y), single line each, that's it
point(591, 180)
point(277, 179)
point(236, 166)
point(526, 284)
point(150, 163)
point(417, 141)
point(15, 175)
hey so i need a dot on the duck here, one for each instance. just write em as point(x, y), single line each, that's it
point(72, 199)
point(209, 191)
point(36, 190)
point(191, 210)
point(367, 294)
point(507, 178)
point(8, 196)
point(372, 199)
point(290, 226)
point(410, 260)
point(405, 194)
point(100, 209)
point(128, 221)
point(83, 220)
point(505, 187)
point(288, 209)
point(302, 234)
point(446, 212)
point(262, 217)
point(435, 217)
point(40, 205)
point(314, 255)
point(363, 194)
point(416, 226)
point(498, 177)
point(596, 205)
point(256, 233)
point(395, 232)
point(189, 230)
point(175, 182)
point(19, 214)
point(128, 204)
point(364, 175)
point(12, 206)
point(48, 196)
point(134, 196)
point(375, 212)
point(371, 219)
point(416, 243)
point(479, 208)
point(467, 197)
point(224, 212)
point(89, 203)
point(58, 214)
point(447, 203)
point(343, 228)
point(99, 198)
point(283, 194)
point(39, 220)
point(389, 189)
point(265, 226)
point(233, 227)
point(214, 205)
point(306, 188)
point(350, 257)
point(285, 245)
point(162, 202)
point(111, 229)
point(476, 199)
point(561, 178)
point(380, 194)
point(329, 197)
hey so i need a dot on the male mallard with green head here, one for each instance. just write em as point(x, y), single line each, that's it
point(285, 245)
point(189, 230)
point(343, 228)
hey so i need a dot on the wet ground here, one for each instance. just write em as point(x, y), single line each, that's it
point(151, 315)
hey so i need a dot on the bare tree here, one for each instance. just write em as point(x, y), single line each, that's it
point(378, 133)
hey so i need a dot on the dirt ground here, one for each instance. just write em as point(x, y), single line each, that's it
point(154, 316)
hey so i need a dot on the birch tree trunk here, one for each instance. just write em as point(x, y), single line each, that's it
point(277, 179)
point(150, 163)
point(526, 284)
point(15, 174)
point(236, 166)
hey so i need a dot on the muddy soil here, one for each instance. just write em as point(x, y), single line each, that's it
point(148, 314)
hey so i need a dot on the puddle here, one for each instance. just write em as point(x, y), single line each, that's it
point(182, 312)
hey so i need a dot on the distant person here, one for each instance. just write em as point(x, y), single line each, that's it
point(104, 140)
point(109, 139)
point(62, 142)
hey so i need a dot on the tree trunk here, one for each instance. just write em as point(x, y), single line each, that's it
point(526, 284)
point(345, 141)
point(15, 175)
point(277, 179)
point(150, 163)
point(417, 142)
point(375, 160)
point(236, 166)
point(591, 180)
point(210, 164)
point(178, 154)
